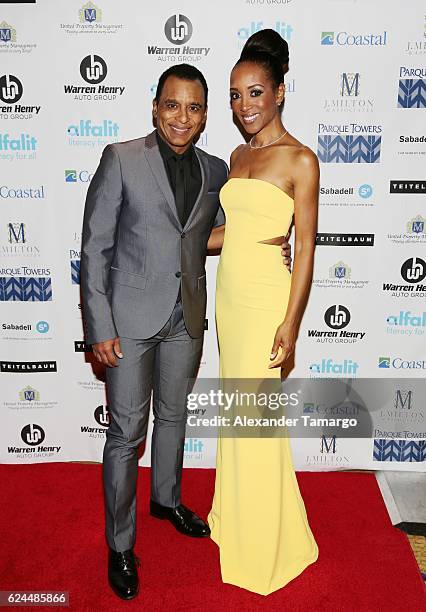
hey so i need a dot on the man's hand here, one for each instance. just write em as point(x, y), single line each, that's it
point(107, 352)
point(286, 252)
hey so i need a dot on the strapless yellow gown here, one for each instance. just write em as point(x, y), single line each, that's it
point(258, 518)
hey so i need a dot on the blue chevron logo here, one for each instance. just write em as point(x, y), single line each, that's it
point(25, 289)
point(412, 93)
point(349, 149)
point(75, 271)
point(399, 450)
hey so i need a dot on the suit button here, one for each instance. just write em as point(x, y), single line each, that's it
point(183, 235)
point(178, 274)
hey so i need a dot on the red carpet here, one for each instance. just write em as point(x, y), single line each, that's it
point(52, 537)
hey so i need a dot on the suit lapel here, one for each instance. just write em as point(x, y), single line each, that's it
point(155, 161)
point(205, 181)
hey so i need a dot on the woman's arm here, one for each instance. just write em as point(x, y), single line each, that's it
point(215, 240)
point(306, 187)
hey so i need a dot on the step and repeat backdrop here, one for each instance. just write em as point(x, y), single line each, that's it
point(76, 76)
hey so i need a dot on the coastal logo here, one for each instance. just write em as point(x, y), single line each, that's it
point(29, 394)
point(399, 450)
point(75, 257)
point(351, 143)
point(11, 89)
point(178, 31)
point(350, 99)
point(78, 176)
point(358, 240)
point(406, 323)
point(32, 434)
point(21, 192)
point(285, 30)
point(90, 13)
point(412, 89)
point(398, 363)
point(407, 186)
point(329, 367)
point(7, 33)
point(346, 39)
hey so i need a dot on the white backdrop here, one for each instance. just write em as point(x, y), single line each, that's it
point(356, 94)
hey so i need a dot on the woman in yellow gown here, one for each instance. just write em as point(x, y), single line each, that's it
point(258, 518)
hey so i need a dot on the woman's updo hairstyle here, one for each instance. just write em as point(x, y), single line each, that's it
point(268, 62)
point(270, 42)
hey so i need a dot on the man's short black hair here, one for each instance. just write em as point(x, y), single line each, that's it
point(185, 72)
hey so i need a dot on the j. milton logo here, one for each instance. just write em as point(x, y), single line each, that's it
point(340, 276)
point(178, 31)
point(357, 240)
point(349, 98)
point(329, 367)
point(78, 176)
point(27, 367)
point(94, 70)
point(415, 232)
point(406, 323)
point(102, 418)
point(90, 21)
point(18, 146)
point(412, 88)
point(33, 436)
point(328, 453)
point(418, 45)
point(349, 143)
point(285, 30)
point(399, 450)
point(408, 186)
point(413, 272)
point(337, 318)
point(18, 193)
point(18, 242)
point(346, 39)
point(356, 195)
point(11, 91)
point(398, 363)
point(9, 41)
point(75, 258)
point(88, 134)
point(24, 284)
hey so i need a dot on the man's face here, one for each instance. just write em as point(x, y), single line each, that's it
point(180, 112)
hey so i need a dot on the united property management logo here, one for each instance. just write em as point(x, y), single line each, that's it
point(75, 258)
point(340, 276)
point(349, 143)
point(178, 31)
point(90, 21)
point(29, 394)
point(347, 39)
point(94, 70)
point(356, 240)
point(18, 146)
point(399, 450)
point(285, 30)
point(24, 284)
point(85, 133)
point(412, 88)
point(415, 232)
point(29, 398)
point(7, 33)
point(330, 367)
point(354, 195)
point(413, 273)
point(408, 186)
point(350, 98)
point(32, 193)
point(18, 242)
point(9, 41)
point(406, 323)
point(337, 318)
point(399, 363)
point(11, 91)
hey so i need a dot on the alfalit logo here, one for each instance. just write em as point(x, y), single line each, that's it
point(406, 323)
point(408, 186)
point(178, 31)
point(11, 92)
point(94, 70)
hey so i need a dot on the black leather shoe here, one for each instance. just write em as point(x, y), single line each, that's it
point(183, 519)
point(123, 573)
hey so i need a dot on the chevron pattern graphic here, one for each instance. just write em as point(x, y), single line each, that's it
point(399, 450)
point(75, 271)
point(25, 289)
point(349, 149)
point(412, 93)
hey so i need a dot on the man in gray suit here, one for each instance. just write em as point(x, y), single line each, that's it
point(150, 209)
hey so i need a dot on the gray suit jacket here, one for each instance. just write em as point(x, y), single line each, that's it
point(135, 252)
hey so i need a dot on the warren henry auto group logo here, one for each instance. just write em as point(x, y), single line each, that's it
point(337, 317)
point(11, 91)
point(413, 272)
point(94, 70)
point(178, 31)
point(33, 436)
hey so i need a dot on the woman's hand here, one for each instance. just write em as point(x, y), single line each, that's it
point(285, 338)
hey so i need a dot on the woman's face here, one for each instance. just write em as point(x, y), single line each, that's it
point(254, 98)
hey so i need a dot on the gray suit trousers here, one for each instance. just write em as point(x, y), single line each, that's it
point(160, 366)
